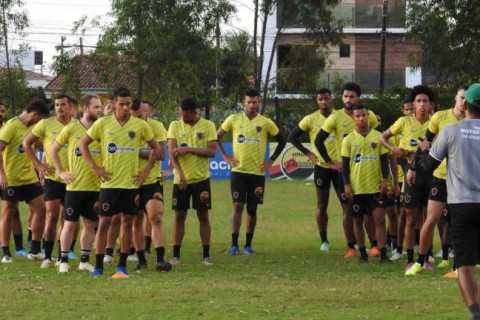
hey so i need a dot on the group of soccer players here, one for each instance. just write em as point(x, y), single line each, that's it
point(107, 170)
point(366, 166)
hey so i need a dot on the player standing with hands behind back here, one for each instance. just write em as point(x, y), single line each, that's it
point(250, 131)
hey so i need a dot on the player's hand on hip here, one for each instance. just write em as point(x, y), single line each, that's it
point(266, 165)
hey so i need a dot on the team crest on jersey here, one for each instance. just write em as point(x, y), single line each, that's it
point(319, 182)
point(137, 200)
point(259, 192)
point(200, 135)
point(96, 206)
point(235, 194)
point(204, 196)
point(69, 211)
point(356, 207)
point(105, 206)
point(158, 196)
point(258, 128)
point(10, 192)
point(132, 134)
point(174, 201)
point(408, 198)
point(434, 191)
point(20, 149)
point(374, 145)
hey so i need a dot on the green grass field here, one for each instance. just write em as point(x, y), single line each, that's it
point(287, 278)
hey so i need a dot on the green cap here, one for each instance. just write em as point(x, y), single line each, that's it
point(472, 95)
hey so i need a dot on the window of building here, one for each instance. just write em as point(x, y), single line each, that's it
point(344, 50)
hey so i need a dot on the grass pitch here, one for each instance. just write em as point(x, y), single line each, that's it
point(287, 278)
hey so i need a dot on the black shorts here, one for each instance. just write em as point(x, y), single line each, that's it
point(247, 188)
point(363, 204)
point(324, 177)
point(416, 196)
point(25, 193)
point(81, 203)
point(438, 190)
point(389, 201)
point(199, 192)
point(153, 191)
point(54, 190)
point(465, 232)
point(114, 200)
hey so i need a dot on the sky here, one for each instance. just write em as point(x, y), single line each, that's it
point(52, 19)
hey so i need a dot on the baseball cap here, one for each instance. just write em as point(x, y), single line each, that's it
point(472, 95)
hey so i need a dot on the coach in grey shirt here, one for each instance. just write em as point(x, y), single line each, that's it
point(460, 144)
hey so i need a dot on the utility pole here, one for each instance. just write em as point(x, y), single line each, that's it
point(217, 58)
point(7, 55)
point(62, 39)
point(81, 46)
point(381, 83)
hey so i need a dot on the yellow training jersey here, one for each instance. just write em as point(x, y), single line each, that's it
point(365, 165)
point(18, 167)
point(160, 134)
point(120, 148)
point(312, 124)
point(341, 124)
point(437, 123)
point(47, 130)
point(410, 130)
point(249, 141)
point(84, 178)
point(194, 167)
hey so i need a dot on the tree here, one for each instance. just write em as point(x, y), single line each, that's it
point(167, 44)
point(236, 62)
point(11, 20)
point(313, 15)
point(448, 33)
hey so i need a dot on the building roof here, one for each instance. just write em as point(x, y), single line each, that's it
point(29, 75)
point(93, 75)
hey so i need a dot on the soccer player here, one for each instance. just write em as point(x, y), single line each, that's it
point(459, 144)
point(438, 192)
point(151, 197)
point(411, 128)
point(18, 179)
point(323, 175)
point(191, 141)
point(340, 124)
point(81, 198)
point(121, 137)
point(250, 132)
point(365, 171)
point(45, 131)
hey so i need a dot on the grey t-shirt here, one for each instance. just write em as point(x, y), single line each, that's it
point(460, 144)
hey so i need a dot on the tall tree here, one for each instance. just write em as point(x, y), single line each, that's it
point(448, 33)
point(168, 45)
point(12, 19)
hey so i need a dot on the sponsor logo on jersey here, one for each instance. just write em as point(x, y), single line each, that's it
point(20, 149)
point(359, 158)
point(413, 143)
point(241, 138)
point(112, 148)
point(132, 134)
point(77, 152)
point(184, 145)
